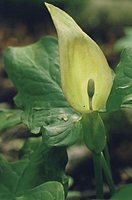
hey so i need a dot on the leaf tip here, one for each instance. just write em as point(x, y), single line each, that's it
point(48, 6)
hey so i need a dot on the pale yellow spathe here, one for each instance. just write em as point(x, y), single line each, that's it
point(80, 60)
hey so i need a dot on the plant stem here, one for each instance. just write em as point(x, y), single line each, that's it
point(98, 175)
point(107, 173)
point(106, 155)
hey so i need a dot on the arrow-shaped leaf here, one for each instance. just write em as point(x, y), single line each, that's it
point(121, 93)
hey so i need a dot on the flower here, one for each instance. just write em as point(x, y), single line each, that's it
point(83, 65)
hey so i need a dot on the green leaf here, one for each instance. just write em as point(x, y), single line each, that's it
point(9, 118)
point(94, 132)
point(34, 70)
point(65, 130)
point(48, 191)
point(121, 93)
point(17, 178)
point(30, 146)
point(123, 193)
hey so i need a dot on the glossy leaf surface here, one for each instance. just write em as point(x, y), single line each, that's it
point(121, 93)
point(94, 132)
point(18, 178)
point(123, 193)
point(9, 118)
point(48, 191)
point(34, 70)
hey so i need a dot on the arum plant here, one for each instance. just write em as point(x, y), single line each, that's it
point(86, 80)
point(40, 71)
